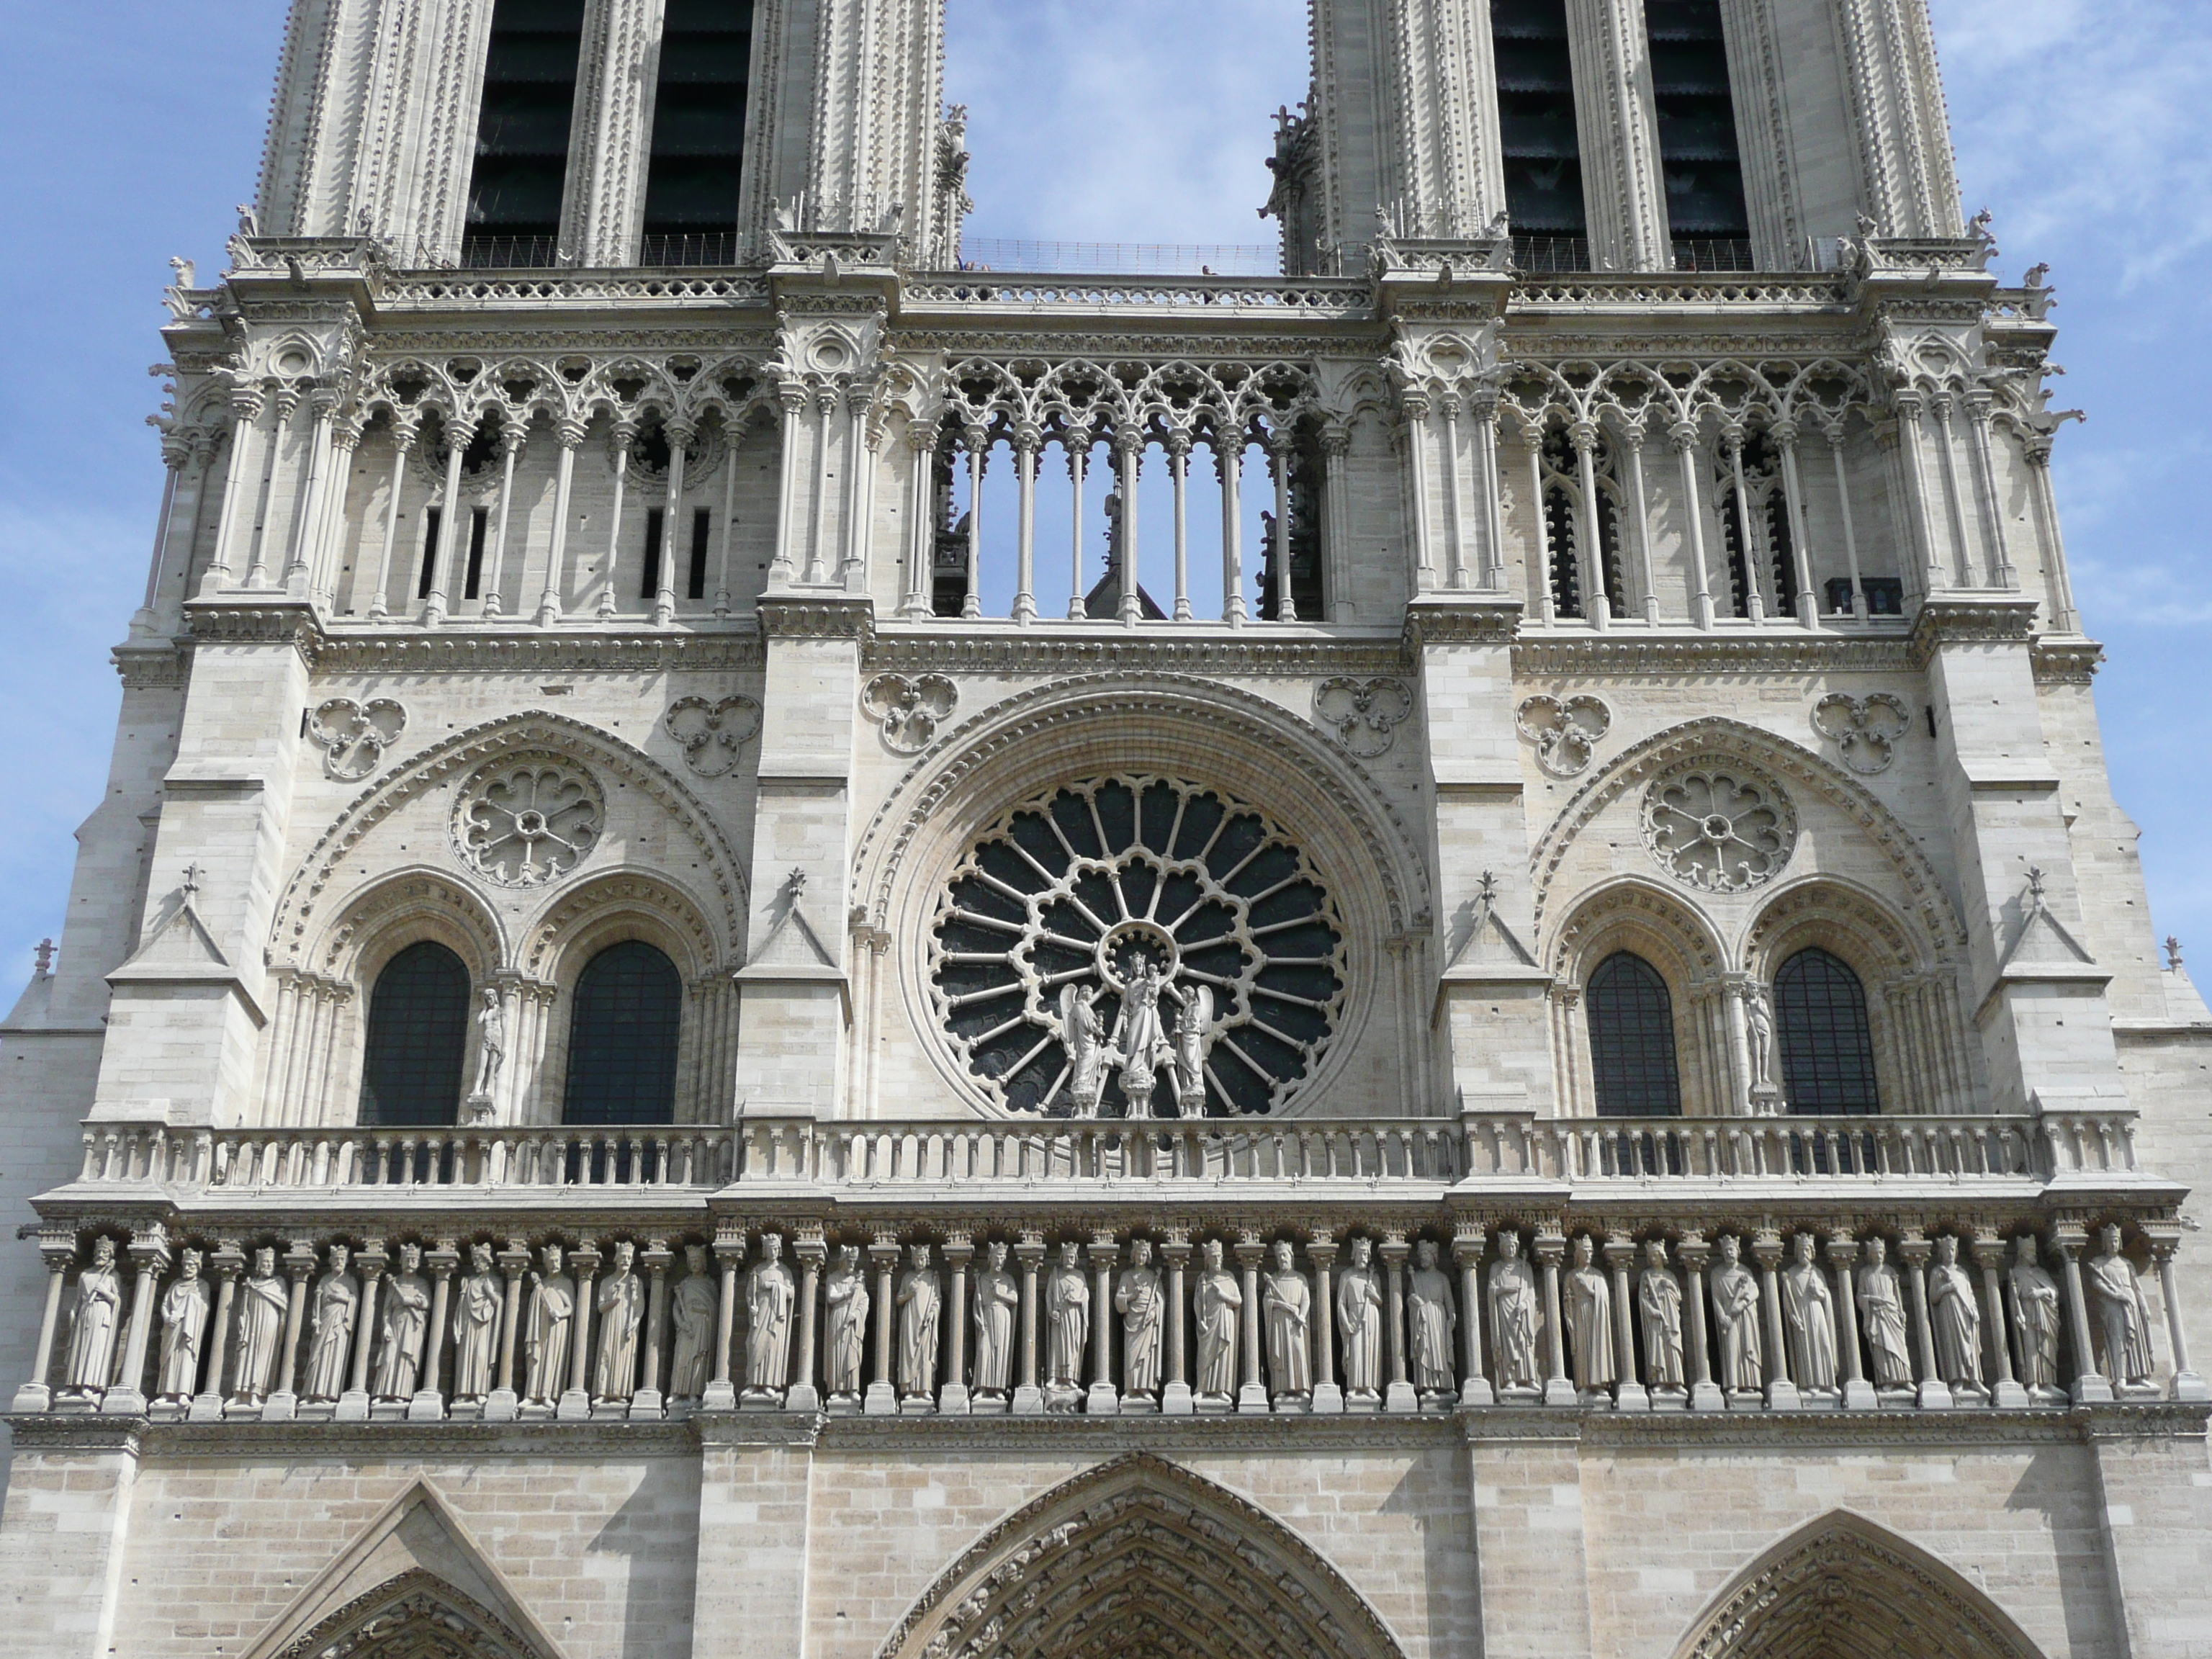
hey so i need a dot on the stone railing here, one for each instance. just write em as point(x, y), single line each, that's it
point(1360, 1303)
point(1326, 296)
point(472, 289)
point(943, 1156)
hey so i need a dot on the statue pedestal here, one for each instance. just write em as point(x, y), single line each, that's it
point(353, 1406)
point(280, 1408)
point(1104, 1399)
point(608, 1411)
point(1475, 1391)
point(1176, 1401)
point(1400, 1397)
point(1933, 1396)
point(1631, 1397)
point(128, 1402)
point(761, 1400)
point(428, 1406)
point(1560, 1391)
point(2009, 1396)
point(500, 1406)
point(1029, 1402)
point(1327, 1400)
point(2187, 1385)
point(1859, 1395)
point(575, 1407)
point(1782, 1395)
point(721, 1396)
point(802, 1397)
point(390, 1411)
point(645, 1403)
point(1708, 1397)
point(953, 1401)
point(33, 1397)
point(1252, 1399)
point(880, 1400)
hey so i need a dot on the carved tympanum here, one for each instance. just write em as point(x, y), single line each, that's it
point(1134, 945)
point(527, 820)
point(353, 736)
point(1565, 730)
point(714, 734)
point(1717, 826)
point(910, 711)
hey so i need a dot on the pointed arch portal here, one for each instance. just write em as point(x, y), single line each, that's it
point(1843, 1587)
point(418, 1615)
point(1140, 1559)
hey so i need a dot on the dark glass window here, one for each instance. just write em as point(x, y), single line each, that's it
point(1632, 1038)
point(696, 586)
point(1697, 153)
point(418, 1030)
point(1827, 1052)
point(1537, 138)
point(698, 132)
point(621, 1038)
point(522, 132)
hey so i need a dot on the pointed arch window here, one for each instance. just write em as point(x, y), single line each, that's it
point(623, 1033)
point(1631, 1039)
point(418, 1033)
point(1827, 1046)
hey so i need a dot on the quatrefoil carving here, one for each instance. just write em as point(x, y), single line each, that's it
point(1363, 713)
point(714, 734)
point(1566, 731)
point(910, 710)
point(1865, 729)
point(353, 736)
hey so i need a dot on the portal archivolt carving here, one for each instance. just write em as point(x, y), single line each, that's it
point(1140, 1559)
point(418, 1615)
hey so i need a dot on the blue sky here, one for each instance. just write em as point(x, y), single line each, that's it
point(2087, 128)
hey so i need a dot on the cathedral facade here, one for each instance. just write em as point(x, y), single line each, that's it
point(801, 950)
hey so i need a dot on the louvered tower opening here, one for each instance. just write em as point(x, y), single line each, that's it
point(1697, 153)
point(1537, 138)
point(698, 133)
point(522, 133)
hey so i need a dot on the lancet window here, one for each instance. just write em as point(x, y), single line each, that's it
point(418, 1026)
point(622, 1034)
point(1537, 135)
point(523, 126)
point(698, 133)
point(1631, 1039)
point(1755, 529)
point(1699, 157)
point(1582, 515)
point(1827, 1048)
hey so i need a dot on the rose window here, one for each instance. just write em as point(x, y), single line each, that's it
point(1718, 828)
point(1136, 947)
point(525, 823)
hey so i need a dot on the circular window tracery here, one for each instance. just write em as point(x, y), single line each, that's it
point(1718, 827)
point(526, 821)
point(1135, 946)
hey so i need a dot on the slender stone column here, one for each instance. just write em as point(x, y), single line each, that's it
point(978, 441)
point(1550, 1249)
point(721, 1394)
point(1639, 507)
point(1027, 440)
point(1858, 1393)
point(805, 1394)
point(227, 1262)
point(2187, 1384)
point(2091, 1386)
point(1229, 462)
point(654, 1258)
point(1327, 1392)
point(1178, 445)
point(429, 1404)
point(1455, 508)
point(37, 1395)
point(511, 439)
point(952, 1395)
point(1683, 435)
point(1910, 409)
point(576, 1403)
point(730, 438)
point(369, 1261)
point(791, 396)
point(446, 551)
point(681, 436)
point(1281, 441)
point(379, 602)
point(1029, 1398)
point(817, 572)
point(1492, 558)
point(569, 434)
point(1540, 565)
point(1782, 1394)
point(618, 442)
point(1175, 1392)
point(246, 404)
point(1835, 431)
point(149, 1253)
point(1988, 1253)
point(1800, 553)
point(1128, 467)
point(1754, 580)
point(1705, 1394)
point(1589, 555)
point(323, 403)
point(1077, 442)
point(1467, 1245)
point(2000, 572)
point(1414, 438)
point(1398, 1393)
point(1914, 1251)
point(1628, 1394)
point(513, 1262)
point(1105, 1400)
point(922, 528)
point(1252, 1392)
point(882, 1397)
point(284, 1400)
point(177, 451)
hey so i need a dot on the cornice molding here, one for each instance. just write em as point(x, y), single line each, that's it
point(1990, 619)
point(817, 616)
point(1789, 651)
point(1257, 653)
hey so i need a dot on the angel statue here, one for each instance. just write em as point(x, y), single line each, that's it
point(1193, 1021)
point(1139, 1040)
point(1081, 1031)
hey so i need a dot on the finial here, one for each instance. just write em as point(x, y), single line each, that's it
point(2173, 954)
point(1489, 886)
point(2035, 883)
point(46, 957)
point(192, 881)
point(795, 883)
